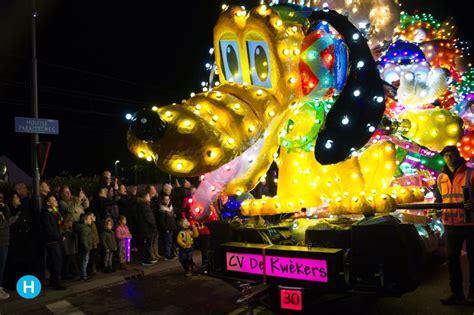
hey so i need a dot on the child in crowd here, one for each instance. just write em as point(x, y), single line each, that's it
point(186, 235)
point(123, 239)
point(70, 246)
point(109, 244)
point(83, 230)
point(95, 247)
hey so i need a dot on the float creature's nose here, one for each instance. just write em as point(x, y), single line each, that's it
point(147, 125)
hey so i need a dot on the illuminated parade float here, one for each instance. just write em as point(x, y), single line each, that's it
point(353, 101)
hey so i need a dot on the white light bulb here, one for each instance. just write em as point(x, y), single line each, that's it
point(356, 93)
point(328, 144)
point(355, 36)
point(345, 120)
point(360, 64)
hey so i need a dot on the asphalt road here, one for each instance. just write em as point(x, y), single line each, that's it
point(173, 293)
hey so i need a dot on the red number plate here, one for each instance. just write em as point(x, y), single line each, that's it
point(291, 299)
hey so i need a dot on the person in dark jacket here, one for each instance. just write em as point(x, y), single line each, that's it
point(167, 219)
point(180, 193)
point(147, 227)
point(70, 248)
point(102, 206)
point(127, 204)
point(109, 244)
point(4, 241)
point(94, 253)
point(83, 231)
point(156, 243)
point(51, 218)
point(20, 260)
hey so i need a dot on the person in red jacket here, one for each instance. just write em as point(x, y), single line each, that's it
point(454, 179)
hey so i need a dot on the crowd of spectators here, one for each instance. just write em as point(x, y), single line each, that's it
point(75, 236)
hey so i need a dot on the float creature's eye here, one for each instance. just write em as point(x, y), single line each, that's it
point(231, 61)
point(391, 75)
point(259, 60)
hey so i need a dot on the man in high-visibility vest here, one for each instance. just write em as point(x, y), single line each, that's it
point(455, 178)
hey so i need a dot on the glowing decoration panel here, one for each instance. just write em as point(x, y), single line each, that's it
point(433, 128)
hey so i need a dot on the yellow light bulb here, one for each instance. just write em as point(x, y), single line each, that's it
point(286, 51)
point(230, 141)
point(154, 108)
point(179, 166)
point(141, 155)
point(251, 128)
point(271, 113)
point(236, 106)
point(215, 118)
point(168, 113)
point(149, 158)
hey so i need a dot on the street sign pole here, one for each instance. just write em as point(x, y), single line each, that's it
point(34, 112)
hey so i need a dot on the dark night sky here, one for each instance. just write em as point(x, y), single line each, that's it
point(101, 59)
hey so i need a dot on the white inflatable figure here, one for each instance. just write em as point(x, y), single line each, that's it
point(419, 86)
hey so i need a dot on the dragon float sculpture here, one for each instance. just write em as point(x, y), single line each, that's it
point(352, 99)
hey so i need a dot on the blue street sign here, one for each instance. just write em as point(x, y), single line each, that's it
point(36, 125)
point(28, 287)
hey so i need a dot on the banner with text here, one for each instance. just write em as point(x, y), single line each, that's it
point(277, 266)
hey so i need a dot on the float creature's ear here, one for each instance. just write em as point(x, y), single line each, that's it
point(360, 105)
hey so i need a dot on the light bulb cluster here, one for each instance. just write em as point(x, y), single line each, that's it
point(466, 146)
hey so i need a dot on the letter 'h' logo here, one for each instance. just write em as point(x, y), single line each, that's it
point(28, 287)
